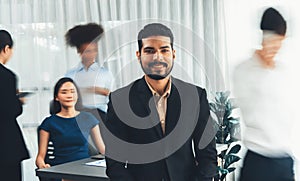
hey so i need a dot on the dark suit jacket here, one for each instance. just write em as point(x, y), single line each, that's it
point(181, 164)
point(13, 148)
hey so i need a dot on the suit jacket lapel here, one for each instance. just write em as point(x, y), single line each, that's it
point(145, 94)
point(173, 110)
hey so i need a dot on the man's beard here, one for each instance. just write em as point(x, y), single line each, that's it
point(157, 76)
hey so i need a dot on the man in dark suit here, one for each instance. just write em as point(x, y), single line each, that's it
point(156, 126)
point(13, 149)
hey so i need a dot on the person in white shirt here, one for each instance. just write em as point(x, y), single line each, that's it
point(93, 80)
point(261, 86)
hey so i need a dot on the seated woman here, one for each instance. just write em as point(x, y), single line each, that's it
point(68, 128)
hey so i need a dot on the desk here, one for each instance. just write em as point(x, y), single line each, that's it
point(76, 170)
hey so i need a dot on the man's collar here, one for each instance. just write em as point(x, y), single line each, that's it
point(167, 90)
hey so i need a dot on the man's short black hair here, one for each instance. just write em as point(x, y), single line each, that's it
point(273, 21)
point(154, 29)
point(5, 39)
point(82, 34)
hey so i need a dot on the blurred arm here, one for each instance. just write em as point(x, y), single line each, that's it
point(97, 139)
point(42, 150)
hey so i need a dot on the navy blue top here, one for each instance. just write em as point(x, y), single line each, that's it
point(69, 136)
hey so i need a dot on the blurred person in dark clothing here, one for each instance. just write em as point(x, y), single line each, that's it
point(13, 148)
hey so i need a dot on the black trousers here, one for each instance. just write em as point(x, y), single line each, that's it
point(11, 171)
point(260, 168)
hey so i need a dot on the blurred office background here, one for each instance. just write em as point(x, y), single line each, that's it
point(211, 37)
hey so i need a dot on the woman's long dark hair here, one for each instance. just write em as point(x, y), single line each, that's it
point(56, 107)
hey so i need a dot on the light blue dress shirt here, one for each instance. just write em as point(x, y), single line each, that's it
point(94, 76)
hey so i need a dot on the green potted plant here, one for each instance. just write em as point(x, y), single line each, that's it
point(228, 131)
point(226, 125)
point(228, 157)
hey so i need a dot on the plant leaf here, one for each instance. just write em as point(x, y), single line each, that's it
point(231, 169)
point(230, 159)
point(223, 177)
point(226, 94)
point(223, 171)
point(213, 106)
point(222, 154)
point(235, 149)
point(234, 120)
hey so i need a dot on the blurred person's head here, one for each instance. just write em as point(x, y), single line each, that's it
point(156, 54)
point(273, 21)
point(66, 95)
point(6, 46)
point(85, 38)
point(274, 27)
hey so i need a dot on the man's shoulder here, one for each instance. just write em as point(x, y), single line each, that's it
point(131, 86)
point(179, 82)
